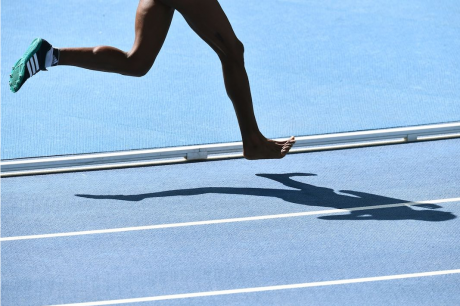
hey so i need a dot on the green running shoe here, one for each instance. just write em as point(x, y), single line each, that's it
point(29, 64)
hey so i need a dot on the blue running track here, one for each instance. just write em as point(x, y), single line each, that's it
point(370, 226)
point(321, 245)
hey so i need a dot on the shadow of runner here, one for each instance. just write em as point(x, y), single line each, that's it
point(311, 195)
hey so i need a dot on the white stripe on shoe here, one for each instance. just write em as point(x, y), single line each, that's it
point(30, 70)
point(36, 62)
point(31, 62)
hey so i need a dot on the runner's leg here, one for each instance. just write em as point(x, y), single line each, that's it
point(209, 21)
point(153, 19)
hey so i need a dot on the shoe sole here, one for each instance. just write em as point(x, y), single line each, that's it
point(18, 73)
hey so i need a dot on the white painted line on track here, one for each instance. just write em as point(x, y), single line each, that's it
point(220, 221)
point(262, 289)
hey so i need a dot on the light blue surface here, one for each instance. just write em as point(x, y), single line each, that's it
point(315, 67)
point(229, 256)
point(414, 292)
point(232, 188)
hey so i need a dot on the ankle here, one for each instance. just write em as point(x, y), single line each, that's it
point(52, 57)
point(254, 140)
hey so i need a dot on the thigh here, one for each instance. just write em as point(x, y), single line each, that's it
point(209, 21)
point(153, 19)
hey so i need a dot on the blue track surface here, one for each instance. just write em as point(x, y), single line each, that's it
point(314, 248)
point(328, 66)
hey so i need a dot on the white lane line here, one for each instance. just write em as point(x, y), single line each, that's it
point(220, 221)
point(261, 289)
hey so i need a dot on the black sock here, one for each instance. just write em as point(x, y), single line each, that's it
point(56, 54)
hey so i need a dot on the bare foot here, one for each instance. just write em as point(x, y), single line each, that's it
point(267, 149)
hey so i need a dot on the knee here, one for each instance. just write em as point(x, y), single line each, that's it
point(239, 47)
point(139, 71)
point(135, 64)
point(234, 53)
point(138, 67)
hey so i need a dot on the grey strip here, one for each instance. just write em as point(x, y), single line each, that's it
point(134, 158)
